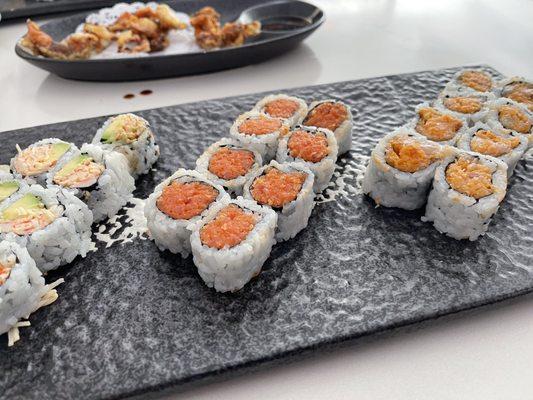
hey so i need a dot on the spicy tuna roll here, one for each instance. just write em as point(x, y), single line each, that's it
point(229, 164)
point(401, 169)
point(289, 108)
point(466, 104)
point(288, 189)
point(508, 114)
point(517, 89)
point(132, 136)
point(259, 132)
point(232, 242)
point(177, 202)
point(316, 148)
point(472, 79)
point(466, 193)
point(335, 116)
point(437, 125)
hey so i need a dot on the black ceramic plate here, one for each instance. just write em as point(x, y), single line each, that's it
point(285, 24)
point(132, 320)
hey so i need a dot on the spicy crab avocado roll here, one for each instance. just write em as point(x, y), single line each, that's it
point(316, 148)
point(508, 114)
point(472, 79)
point(401, 169)
point(437, 125)
point(37, 160)
point(98, 177)
point(232, 242)
point(259, 132)
point(53, 224)
point(289, 108)
point(517, 89)
point(287, 189)
point(335, 116)
point(132, 136)
point(466, 193)
point(506, 145)
point(229, 164)
point(465, 104)
point(176, 203)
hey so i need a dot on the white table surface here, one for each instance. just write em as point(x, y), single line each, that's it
point(487, 354)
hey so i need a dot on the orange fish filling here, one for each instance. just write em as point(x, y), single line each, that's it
point(437, 126)
point(327, 115)
point(521, 92)
point(476, 80)
point(470, 177)
point(277, 188)
point(515, 119)
point(186, 200)
point(281, 108)
point(409, 155)
point(307, 146)
point(487, 142)
point(260, 126)
point(5, 270)
point(229, 228)
point(228, 163)
point(464, 105)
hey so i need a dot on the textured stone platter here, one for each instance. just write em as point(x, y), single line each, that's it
point(131, 320)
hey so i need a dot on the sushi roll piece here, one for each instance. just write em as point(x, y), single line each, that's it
point(466, 193)
point(132, 136)
point(401, 168)
point(176, 203)
point(22, 288)
point(508, 114)
point(437, 125)
point(232, 242)
point(506, 145)
point(35, 162)
point(472, 79)
point(98, 177)
point(229, 164)
point(466, 104)
point(335, 116)
point(316, 148)
point(259, 132)
point(53, 224)
point(517, 89)
point(289, 108)
point(288, 190)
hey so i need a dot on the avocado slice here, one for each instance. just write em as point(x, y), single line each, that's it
point(69, 167)
point(58, 149)
point(8, 188)
point(28, 204)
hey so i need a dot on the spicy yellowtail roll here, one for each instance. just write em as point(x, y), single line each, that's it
point(176, 203)
point(472, 79)
point(232, 242)
point(53, 224)
point(401, 169)
point(98, 177)
point(469, 105)
point(316, 148)
point(288, 189)
point(22, 289)
point(229, 164)
point(335, 116)
point(466, 193)
point(508, 114)
point(259, 132)
point(506, 145)
point(517, 89)
point(289, 108)
point(132, 136)
point(437, 125)
point(37, 160)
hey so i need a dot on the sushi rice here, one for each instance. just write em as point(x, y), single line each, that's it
point(292, 120)
point(451, 93)
point(516, 88)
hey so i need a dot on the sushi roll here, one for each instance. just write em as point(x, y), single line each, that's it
point(98, 177)
point(176, 203)
point(289, 108)
point(506, 145)
point(22, 288)
point(508, 114)
point(37, 160)
point(53, 224)
point(316, 148)
point(472, 79)
point(335, 116)
point(229, 164)
point(288, 190)
point(463, 103)
point(437, 125)
point(401, 168)
point(259, 132)
point(517, 89)
point(466, 193)
point(232, 242)
point(132, 136)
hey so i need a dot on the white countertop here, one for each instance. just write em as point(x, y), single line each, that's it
point(487, 354)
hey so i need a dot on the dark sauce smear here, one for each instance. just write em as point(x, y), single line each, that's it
point(129, 96)
point(146, 92)
point(283, 23)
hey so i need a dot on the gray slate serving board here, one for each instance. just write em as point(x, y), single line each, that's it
point(131, 320)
